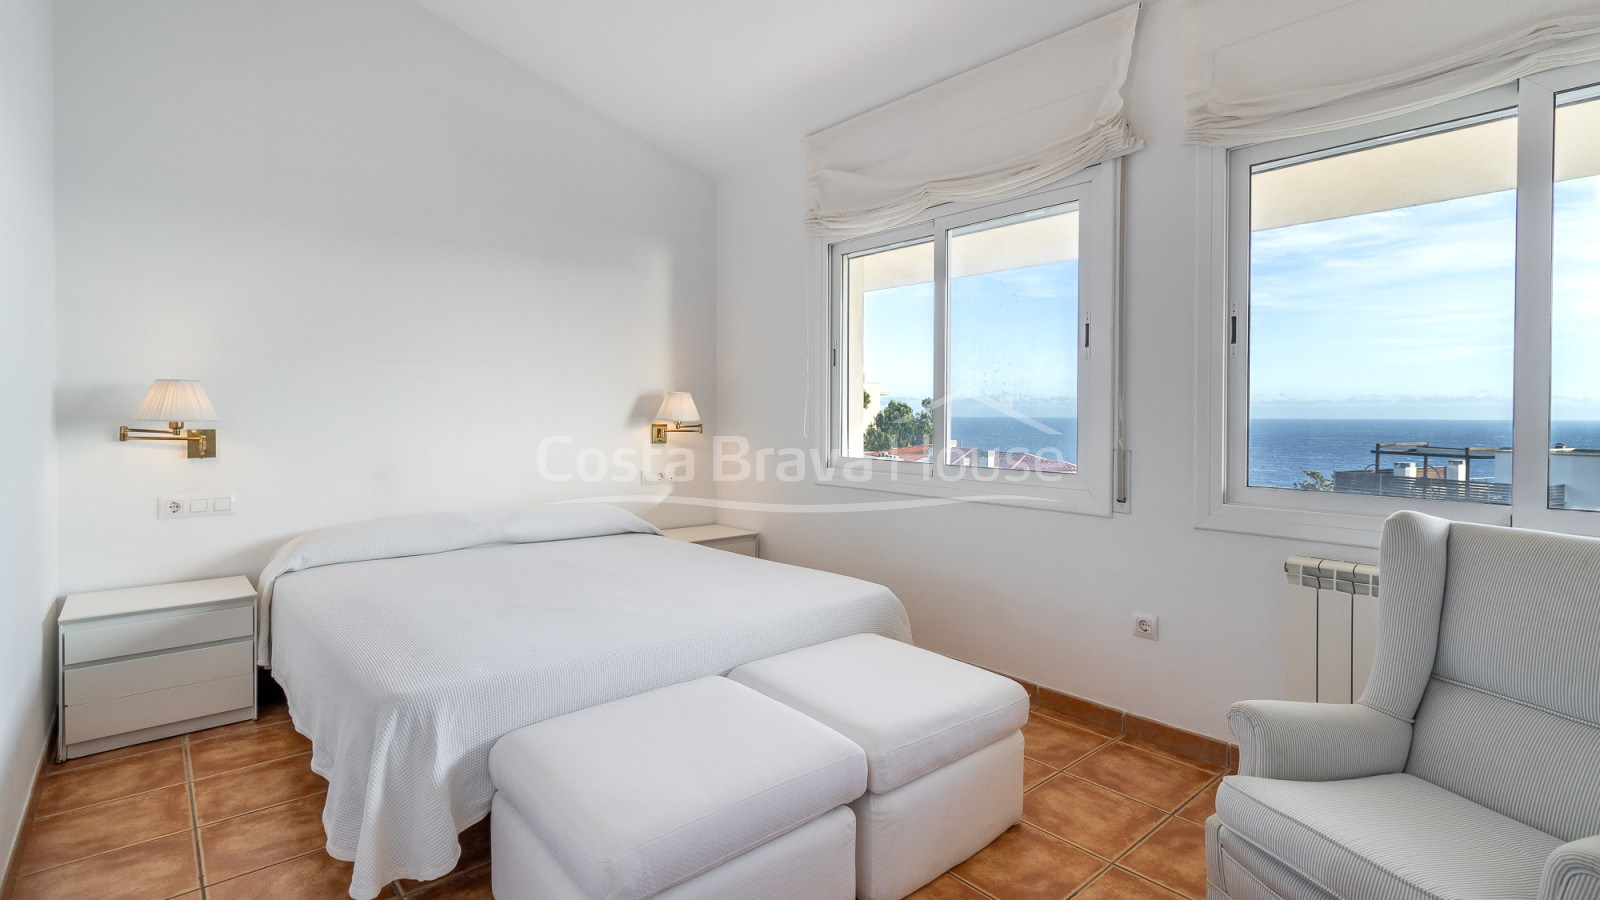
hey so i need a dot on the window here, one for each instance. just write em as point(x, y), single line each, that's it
point(1381, 300)
point(974, 352)
point(1411, 312)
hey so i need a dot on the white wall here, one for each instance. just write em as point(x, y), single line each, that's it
point(1041, 595)
point(27, 349)
point(395, 259)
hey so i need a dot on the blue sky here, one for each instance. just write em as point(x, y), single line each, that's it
point(1012, 341)
point(1408, 314)
point(1575, 325)
point(1403, 314)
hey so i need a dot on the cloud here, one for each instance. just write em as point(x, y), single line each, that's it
point(1405, 304)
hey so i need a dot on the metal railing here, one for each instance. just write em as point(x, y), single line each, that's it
point(1385, 483)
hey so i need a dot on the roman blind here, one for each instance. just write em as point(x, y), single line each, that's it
point(1258, 70)
point(998, 131)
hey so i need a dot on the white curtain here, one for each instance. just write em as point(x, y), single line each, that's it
point(997, 131)
point(1258, 70)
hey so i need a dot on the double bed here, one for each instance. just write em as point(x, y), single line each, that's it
point(408, 646)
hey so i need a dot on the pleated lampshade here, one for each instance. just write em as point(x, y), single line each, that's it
point(679, 407)
point(178, 400)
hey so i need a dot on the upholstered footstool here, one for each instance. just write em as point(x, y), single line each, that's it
point(943, 743)
point(704, 790)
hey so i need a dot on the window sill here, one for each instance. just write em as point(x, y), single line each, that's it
point(1345, 529)
point(1361, 529)
point(1349, 527)
point(937, 491)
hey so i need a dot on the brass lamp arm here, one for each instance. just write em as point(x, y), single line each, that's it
point(172, 428)
point(658, 430)
point(202, 442)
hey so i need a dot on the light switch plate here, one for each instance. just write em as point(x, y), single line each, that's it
point(194, 506)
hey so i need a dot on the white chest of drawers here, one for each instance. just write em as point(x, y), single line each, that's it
point(146, 663)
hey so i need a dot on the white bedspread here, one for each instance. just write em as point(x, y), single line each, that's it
point(405, 671)
point(433, 533)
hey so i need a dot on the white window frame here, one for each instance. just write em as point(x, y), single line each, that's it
point(1095, 489)
point(1223, 499)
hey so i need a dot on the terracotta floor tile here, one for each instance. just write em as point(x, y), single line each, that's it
point(1155, 780)
point(84, 762)
point(261, 806)
point(1076, 722)
point(1024, 863)
point(1174, 856)
point(1056, 743)
point(245, 748)
point(119, 778)
point(1200, 808)
point(946, 887)
point(258, 787)
point(473, 884)
point(1103, 822)
point(1034, 772)
point(161, 868)
point(264, 718)
point(92, 830)
point(1117, 884)
point(315, 876)
point(1173, 755)
point(255, 840)
point(474, 852)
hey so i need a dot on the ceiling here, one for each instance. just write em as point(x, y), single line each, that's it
point(717, 82)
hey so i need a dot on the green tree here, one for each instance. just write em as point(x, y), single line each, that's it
point(1317, 482)
point(897, 426)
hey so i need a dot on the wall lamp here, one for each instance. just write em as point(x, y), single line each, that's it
point(680, 415)
point(175, 401)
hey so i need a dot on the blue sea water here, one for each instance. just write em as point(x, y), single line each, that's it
point(1005, 433)
point(1283, 450)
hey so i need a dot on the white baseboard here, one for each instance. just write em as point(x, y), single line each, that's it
point(14, 831)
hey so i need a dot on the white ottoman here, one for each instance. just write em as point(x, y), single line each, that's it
point(704, 789)
point(943, 742)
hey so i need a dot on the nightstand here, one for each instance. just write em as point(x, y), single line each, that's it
point(150, 662)
point(723, 537)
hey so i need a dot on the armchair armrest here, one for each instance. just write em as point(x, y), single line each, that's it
point(1572, 872)
point(1317, 741)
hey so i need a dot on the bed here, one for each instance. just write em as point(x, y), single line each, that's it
point(408, 646)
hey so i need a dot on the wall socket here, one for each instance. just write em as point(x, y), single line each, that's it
point(188, 506)
point(1147, 627)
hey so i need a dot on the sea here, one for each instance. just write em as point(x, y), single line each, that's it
point(1006, 433)
point(1282, 451)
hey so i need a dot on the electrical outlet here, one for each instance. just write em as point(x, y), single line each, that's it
point(1147, 627)
point(189, 506)
point(652, 477)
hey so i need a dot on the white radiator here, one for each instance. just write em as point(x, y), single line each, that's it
point(1330, 628)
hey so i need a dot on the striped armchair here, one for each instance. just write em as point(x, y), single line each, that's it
point(1470, 767)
